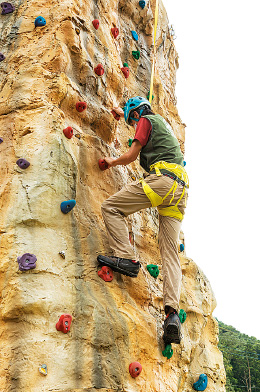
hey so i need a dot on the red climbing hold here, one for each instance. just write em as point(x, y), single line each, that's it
point(116, 116)
point(106, 274)
point(103, 165)
point(99, 70)
point(68, 132)
point(115, 32)
point(81, 106)
point(135, 369)
point(95, 23)
point(125, 71)
point(64, 323)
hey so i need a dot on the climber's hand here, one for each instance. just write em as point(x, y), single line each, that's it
point(119, 111)
point(109, 161)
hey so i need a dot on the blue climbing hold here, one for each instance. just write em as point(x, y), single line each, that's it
point(134, 35)
point(201, 384)
point(181, 247)
point(142, 3)
point(66, 206)
point(2, 57)
point(39, 21)
point(184, 163)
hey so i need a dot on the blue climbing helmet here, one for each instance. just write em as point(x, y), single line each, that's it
point(134, 103)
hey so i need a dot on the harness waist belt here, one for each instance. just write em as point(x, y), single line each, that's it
point(174, 177)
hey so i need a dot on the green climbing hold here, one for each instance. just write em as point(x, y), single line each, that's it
point(182, 316)
point(168, 352)
point(148, 96)
point(125, 65)
point(153, 270)
point(136, 54)
point(130, 141)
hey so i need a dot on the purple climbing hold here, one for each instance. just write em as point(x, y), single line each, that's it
point(1, 140)
point(26, 262)
point(7, 8)
point(23, 163)
point(2, 57)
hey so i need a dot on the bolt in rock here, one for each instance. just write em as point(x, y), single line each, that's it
point(77, 30)
point(106, 274)
point(66, 206)
point(68, 132)
point(39, 21)
point(26, 262)
point(62, 254)
point(99, 70)
point(95, 23)
point(64, 323)
point(7, 8)
point(135, 369)
point(23, 163)
point(81, 106)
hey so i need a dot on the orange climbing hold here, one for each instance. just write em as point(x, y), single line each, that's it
point(95, 23)
point(135, 369)
point(81, 106)
point(115, 32)
point(68, 132)
point(103, 165)
point(106, 274)
point(125, 71)
point(99, 70)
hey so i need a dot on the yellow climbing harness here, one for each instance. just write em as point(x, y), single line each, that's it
point(156, 200)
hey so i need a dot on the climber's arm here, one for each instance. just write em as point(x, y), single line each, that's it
point(127, 157)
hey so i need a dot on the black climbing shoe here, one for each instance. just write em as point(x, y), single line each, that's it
point(124, 266)
point(172, 329)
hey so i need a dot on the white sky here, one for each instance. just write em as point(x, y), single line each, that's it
point(218, 86)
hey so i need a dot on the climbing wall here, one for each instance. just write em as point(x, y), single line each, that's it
point(62, 327)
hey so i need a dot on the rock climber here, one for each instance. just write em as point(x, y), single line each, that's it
point(165, 188)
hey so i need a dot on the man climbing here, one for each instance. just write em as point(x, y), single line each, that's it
point(165, 188)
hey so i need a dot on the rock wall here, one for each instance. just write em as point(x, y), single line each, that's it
point(46, 71)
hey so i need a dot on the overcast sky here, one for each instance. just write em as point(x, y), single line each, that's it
point(218, 88)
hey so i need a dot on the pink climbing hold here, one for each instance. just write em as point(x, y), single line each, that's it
point(135, 369)
point(81, 106)
point(115, 32)
point(64, 323)
point(106, 274)
point(99, 70)
point(95, 23)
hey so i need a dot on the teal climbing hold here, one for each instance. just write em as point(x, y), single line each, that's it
point(66, 206)
point(39, 21)
point(134, 35)
point(182, 247)
point(136, 54)
point(168, 352)
point(153, 270)
point(148, 96)
point(130, 141)
point(182, 316)
point(125, 65)
point(142, 3)
point(201, 384)
point(184, 163)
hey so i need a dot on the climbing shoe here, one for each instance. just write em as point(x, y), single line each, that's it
point(124, 266)
point(172, 329)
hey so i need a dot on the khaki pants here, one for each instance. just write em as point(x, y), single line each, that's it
point(132, 199)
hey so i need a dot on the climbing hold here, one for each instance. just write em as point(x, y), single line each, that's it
point(2, 56)
point(125, 65)
point(135, 369)
point(77, 135)
point(142, 3)
point(103, 165)
point(77, 30)
point(106, 274)
point(116, 116)
point(64, 323)
point(168, 352)
point(1, 140)
point(133, 178)
point(66, 206)
point(153, 270)
point(117, 143)
point(99, 70)
point(81, 106)
point(184, 163)
point(125, 71)
point(181, 247)
point(39, 21)
point(68, 132)
point(202, 383)
point(7, 8)
point(182, 316)
point(62, 254)
point(136, 54)
point(115, 32)
point(130, 141)
point(26, 262)
point(134, 35)
point(43, 369)
point(23, 163)
point(148, 96)
point(95, 23)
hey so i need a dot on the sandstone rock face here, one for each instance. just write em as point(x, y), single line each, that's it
point(47, 70)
